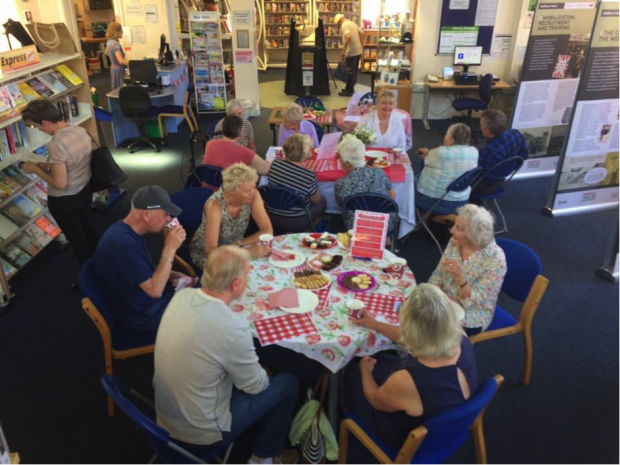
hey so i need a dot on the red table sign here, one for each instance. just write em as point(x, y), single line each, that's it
point(369, 232)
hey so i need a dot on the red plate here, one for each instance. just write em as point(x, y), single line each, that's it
point(316, 236)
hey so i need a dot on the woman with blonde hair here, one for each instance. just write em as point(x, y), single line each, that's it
point(291, 173)
point(294, 123)
point(393, 395)
point(227, 214)
point(386, 123)
point(115, 52)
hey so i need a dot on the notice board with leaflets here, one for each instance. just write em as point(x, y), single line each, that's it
point(466, 22)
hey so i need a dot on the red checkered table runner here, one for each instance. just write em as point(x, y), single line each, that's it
point(396, 173)
point(381, 304)
point(318, 166)
point(281, 328)
point(324, 119)
point(323, 297)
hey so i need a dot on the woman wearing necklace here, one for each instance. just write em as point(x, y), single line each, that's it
point(115, 52)
point(227, 213)
point(225, 151)
point(386, 123)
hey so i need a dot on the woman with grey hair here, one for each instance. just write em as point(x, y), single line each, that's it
point(442, 165)
point(473, 267)
point(294, 123)
point(393, 395)
point(226, 216)
point(234, 107)
point(360, 179)
point(291, 173)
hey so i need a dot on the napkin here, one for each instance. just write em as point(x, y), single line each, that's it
point(278, 255)
point(287, 298)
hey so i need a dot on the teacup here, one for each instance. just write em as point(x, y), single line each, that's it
point(397, 152)
point(266, 240)
point(398, 264)
point(355, 308)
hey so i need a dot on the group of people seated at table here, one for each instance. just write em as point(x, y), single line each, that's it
point(208, 381)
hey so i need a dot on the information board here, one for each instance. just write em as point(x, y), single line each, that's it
point(466, 22)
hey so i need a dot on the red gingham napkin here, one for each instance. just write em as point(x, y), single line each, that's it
point(396, 173)
point(279, 255)
point(281, 328)
point(323, 297)
point(380, 303)
point(326, 118)
point(287, 298)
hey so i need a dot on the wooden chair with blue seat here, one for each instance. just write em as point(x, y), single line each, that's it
point(136, 104)
point(498, 176)
point(524, 283)
point(180, 111)
point(460, 184)
point(470, 104)
point(433, 442)
point(192, 202)
point(284, 198)
point(119, 390)
point(118, 342)
point(378, 203)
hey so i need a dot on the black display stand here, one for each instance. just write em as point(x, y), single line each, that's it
point(294, 84)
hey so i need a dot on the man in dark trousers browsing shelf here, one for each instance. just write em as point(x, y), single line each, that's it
point(137, 291)
point(351, 53)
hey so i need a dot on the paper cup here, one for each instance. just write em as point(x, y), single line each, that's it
point(173, 223)
point(398, 264)
point(355, 308)
point(266, 240)
point(397, 151)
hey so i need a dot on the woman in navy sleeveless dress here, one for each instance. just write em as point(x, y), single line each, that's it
point(393, 395)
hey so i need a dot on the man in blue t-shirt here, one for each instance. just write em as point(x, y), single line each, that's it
point(137, 291)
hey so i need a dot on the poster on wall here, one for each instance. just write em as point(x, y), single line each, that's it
point(466, 22)
point(554, 58)
point(587, 178)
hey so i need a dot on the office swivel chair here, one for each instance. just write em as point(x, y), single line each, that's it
point(136, 104)
point(470, 105)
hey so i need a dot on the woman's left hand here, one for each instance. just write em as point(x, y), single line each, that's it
point(367, 364)
point(453, 267)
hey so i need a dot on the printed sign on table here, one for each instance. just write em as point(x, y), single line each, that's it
point(369, 231)
point(327, 148)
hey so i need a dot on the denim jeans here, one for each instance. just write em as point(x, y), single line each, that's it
point(445, 207)
point(273, 408)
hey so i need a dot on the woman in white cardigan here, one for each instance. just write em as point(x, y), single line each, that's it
point(386, 123)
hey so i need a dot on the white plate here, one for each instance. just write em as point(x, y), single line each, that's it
point(316, 266)
point(300, 259)
point(318, 288)
point(376, 154)
point(308, 301)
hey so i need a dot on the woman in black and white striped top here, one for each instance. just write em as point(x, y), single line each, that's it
point(290, 173)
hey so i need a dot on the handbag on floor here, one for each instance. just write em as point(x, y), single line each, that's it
point(105, 172)
point(343, 72)
point(52, 38)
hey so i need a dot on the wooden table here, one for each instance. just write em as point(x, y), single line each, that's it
point(276, 118)
point(451, 86)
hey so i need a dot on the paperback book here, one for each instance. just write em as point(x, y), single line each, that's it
point(15, 255)
point(9, 271)
point(28, 92)
point(17, 174)
point(40, 238)
point(7, 227)
point(47, 227)
point(53, 82)
point(69, 75)
point(39, 197)
point(40, 87)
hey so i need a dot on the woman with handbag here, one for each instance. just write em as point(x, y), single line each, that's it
point(67, 173)
point(114, 50)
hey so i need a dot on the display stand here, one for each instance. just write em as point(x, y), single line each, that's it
point(609, 270)
point(208, 60)
point(294, 84)
point(36, 139)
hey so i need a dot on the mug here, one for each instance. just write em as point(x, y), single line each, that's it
point(398, 264)
point(355, 308)
point(173, 223)
point(266, 240)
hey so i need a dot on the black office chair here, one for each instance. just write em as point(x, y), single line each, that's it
point(136, 104)
point(470, 105)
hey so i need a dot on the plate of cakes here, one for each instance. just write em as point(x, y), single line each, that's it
point(319, 241)
point(357, 281)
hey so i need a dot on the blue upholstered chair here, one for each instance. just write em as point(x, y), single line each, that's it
point(436, 440)
point(307, 101)
point(209, 174)
point(210, 133)
point(367, 97)
point(118, 342)
point(499, 175)
point(458, 185)
point(284, 198)
point(378, 203)
point(192, 202)
point(320, 132)
point(524, 283)
point(470, 104)
point(119, 391)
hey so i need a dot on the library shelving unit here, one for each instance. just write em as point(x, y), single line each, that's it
point(327, 10)
point(278, 15)
point(36, 139)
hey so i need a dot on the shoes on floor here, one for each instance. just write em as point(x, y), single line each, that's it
point(345, 93)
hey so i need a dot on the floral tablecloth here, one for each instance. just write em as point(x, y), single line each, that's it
point(337, 340)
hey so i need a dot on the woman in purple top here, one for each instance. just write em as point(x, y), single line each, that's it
point(295, 124)
point(393, 395)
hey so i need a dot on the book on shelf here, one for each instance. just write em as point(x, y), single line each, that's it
point(42, 185)
point(16, 256)
point(40, 87)
point(7, 103)
point(37, 196)
point(53, 82)
point(15, 214)
point(17, 174)
point(58, 75)
point(27, 206)
point(42, 151)
point(7, 227)
point(26, 243)
point(49, 228)
point(8, 184)
point(18, 98)
point(69, 75)
point(28, 92)
point(37, 236)
point(5, 148)
point(9, 270)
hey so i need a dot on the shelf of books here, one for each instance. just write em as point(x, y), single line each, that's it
point(278, 17)
point(327, 10)
point(26, 226)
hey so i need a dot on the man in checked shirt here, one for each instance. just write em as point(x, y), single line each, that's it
point(501, 145)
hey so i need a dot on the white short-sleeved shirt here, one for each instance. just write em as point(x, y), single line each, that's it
point(393, 137)
point(355, 45)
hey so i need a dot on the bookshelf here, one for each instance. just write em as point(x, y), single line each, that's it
point(35, 140)
point(327, 10)
point(278, 15)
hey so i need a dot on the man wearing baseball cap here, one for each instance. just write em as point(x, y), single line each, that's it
point(137, 291)
point(351, 53)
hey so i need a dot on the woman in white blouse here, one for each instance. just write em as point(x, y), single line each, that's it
point(386, 123)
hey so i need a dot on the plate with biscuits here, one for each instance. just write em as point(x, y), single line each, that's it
point(325, 262)
point(378, 163)
point(311, 280)
point(319, 241)
point(357, 281)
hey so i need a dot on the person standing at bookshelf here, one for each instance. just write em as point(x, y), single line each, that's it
point(114, 50)
point(351, 53)
point(67, 173)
